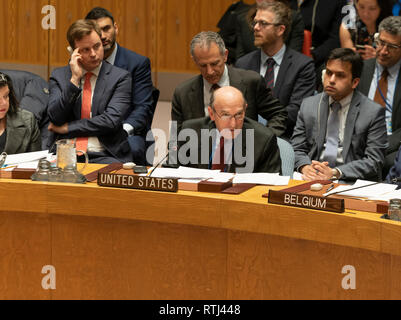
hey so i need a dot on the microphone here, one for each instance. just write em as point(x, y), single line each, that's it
point(360, 187)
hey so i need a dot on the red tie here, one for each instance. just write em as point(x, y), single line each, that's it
point(218, 159)
point(82, 142)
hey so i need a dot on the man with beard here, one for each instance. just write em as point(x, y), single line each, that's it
point(340, 133)
point(290, 74)
point(139, 120)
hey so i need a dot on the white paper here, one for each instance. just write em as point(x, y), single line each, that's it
point(185, 173)
point(272, 179)
point(25, 157)
point(371, 192)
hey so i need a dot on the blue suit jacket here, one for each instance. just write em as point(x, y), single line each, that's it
point(295, 81)
point(110, 105)
point(141, 114)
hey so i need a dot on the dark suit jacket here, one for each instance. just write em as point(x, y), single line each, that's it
point(265, 158)
point(23, 133)
point(395, 171)
point(245, 38)
point(295, 81)
point(188, 102)
point(142, 111)
point(365, 136)
point(364, 87)
point(110, 105)
point(326, 24)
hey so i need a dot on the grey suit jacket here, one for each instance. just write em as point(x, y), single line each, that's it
point(265, 157)
point(23, 133)
point(365, 136)
point(364, 87)
point(188, 99)
point(295, 81)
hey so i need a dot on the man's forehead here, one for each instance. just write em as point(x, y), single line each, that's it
point(338, 65)
point(105, 21)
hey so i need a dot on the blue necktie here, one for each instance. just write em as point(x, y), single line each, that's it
point(333, 126)
point(269, 75)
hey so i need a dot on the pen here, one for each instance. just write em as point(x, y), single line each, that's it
point(330, 188)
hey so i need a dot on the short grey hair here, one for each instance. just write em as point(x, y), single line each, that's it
point(205, 38)
point(391, 25)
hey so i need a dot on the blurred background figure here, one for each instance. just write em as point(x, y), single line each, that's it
point(359, 33)
point(237, 32)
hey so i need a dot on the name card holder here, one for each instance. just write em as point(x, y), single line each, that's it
point(115, 180)
point(306, 201)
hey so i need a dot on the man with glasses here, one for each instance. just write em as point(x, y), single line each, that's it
point(191, 98)
point(227, 140)
point(380, 82)
point(290, 74)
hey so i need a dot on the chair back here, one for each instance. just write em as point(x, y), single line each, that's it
point(287, 156)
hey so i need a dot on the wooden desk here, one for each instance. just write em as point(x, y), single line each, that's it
point(128, 244)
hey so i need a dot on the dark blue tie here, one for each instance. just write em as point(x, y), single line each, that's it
point(333, 126)
point(269, 75)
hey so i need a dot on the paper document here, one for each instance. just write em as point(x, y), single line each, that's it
point(185, 173)
point(13, 159)
point(271, 179)
point(371, 192)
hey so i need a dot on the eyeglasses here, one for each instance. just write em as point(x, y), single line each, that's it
point(391, 47)
point(226, 117)
point(263, 24)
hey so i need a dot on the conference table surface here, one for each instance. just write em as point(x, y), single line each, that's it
point(112, 243)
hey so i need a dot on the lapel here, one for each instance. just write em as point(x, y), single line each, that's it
point(236, 80)
point(195, 99)
point(323, 111)
point(254, 61)
point(98, 96)
point(16, 132)
point(285, 65)
point(120, 61)
point(397, 101)
point(367, 77)
point(350, 122)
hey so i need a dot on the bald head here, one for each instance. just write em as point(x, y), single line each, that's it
point(227, 109)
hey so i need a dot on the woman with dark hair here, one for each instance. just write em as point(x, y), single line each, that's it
point(359, 34)
point(19, 130)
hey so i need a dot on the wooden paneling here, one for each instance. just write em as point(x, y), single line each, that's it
point(22, 37)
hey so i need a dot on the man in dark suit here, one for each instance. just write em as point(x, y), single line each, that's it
point(191, 98)
point(139, 121)
point(340, 133)
point(227, 140)
point(293, 74)
point(90, 98)
point(380, 81)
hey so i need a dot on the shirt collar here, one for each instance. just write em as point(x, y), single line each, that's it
point(278, 57)
point(393, 71)
point(224, 80)
point(112, 58)
point(94, 71)
point(346, 101)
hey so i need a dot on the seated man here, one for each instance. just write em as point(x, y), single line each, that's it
point(191, 98)
point(227, 140)
point(340, 133)
point(139, 119)
point(290, 74)
point(90, 98)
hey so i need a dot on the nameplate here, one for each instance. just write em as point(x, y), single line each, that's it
point(306, 201)
point(115, 180)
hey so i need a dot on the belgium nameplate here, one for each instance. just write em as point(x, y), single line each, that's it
point(115, 180)
point(306, 201)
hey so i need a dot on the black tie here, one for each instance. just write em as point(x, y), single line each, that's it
point(269, 75)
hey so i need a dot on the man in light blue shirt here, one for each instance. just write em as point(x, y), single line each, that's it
point(380, 82)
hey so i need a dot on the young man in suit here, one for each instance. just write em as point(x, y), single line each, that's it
point(139, 120)
point(380, 81)
point(340, 133)
point(227, 140)
point(90, 98)
point(290, 74)
point(191, 98)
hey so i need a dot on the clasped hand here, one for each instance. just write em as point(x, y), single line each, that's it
point(317, 171)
